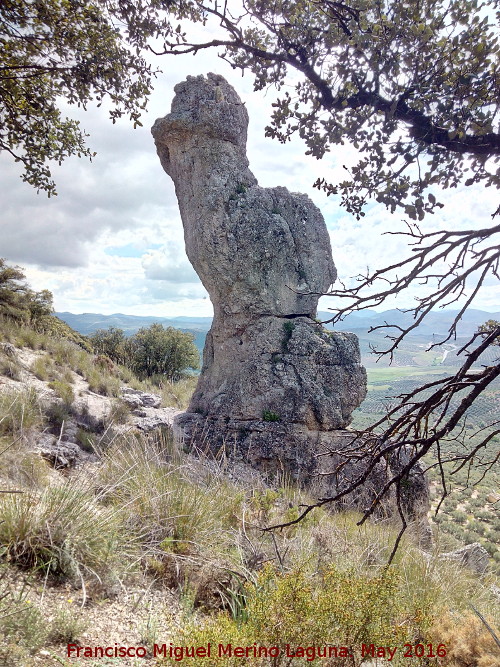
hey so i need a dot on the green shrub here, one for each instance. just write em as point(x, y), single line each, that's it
point(64, 391)
point(56, 414)
point(67, 626)
point(157, 350)
point(10, 367)
point(101, 383)
point(43, 368)
point(458, 516)
point(341, 608)
point(288, 328)
point(263, 501)
point(24, 632)
point(164, 506)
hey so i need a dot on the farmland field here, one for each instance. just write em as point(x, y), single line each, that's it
point(470, 511)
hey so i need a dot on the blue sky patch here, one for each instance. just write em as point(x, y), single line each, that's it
point(129, 250)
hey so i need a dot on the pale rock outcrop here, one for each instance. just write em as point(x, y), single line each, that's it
point(264, 256)
point(473, 556)
point(276, 388)
point(136, 398)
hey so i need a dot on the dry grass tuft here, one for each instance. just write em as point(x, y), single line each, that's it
point(468, 642)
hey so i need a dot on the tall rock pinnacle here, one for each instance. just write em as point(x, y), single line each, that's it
point(264, 256)
point(276, 389)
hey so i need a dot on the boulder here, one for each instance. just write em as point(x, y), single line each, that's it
point(473, 556)
point(264, 256)
point(136, 398)
point(61, 453)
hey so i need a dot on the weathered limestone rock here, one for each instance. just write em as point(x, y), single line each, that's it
point(264, 256)
point(473, 556)
point(275, 386)
point(136, 398)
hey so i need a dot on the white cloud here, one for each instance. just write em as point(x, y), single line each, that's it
point(169, 263)
point(124, 199)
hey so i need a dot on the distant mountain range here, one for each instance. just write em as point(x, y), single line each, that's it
point(436, 323)
point(87, 323)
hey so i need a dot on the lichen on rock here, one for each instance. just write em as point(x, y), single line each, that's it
point(275, 385)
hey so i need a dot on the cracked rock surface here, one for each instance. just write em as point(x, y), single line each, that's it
point(275, 386)
point(264, 256)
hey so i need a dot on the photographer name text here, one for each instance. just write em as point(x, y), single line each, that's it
point(310, 653)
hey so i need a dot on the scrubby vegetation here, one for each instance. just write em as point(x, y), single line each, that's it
point(163, 354)
point(181, 522)
point(147, 511)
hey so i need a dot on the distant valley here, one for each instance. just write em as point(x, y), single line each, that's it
point(413, 351)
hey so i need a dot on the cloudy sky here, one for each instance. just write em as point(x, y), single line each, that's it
point(112, 241)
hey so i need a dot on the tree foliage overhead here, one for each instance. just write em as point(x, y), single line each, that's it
point(415, 86)
point(56, 51)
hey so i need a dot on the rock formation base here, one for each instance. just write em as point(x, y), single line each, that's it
point(276, 389)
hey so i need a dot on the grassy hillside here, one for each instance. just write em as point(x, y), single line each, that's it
point(148, 545)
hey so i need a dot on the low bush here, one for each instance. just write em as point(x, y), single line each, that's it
point(56, 414)
point(27, 337)
point(103, 383)
point(468, 642)
point(66, 627)
point(44, 368)
point(63, 391)
point(86, 440)
point(62, 530)
point(19, 411)
point(165, 508)
point(286, 611)
point(176, 394)
point(25, 632)
point(10, 367)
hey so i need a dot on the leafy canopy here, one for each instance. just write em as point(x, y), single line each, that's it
point(153, 350)
point(414, 86)
point(18, 301)
point(111, 342)
point(56, 51)
point(156, 350)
